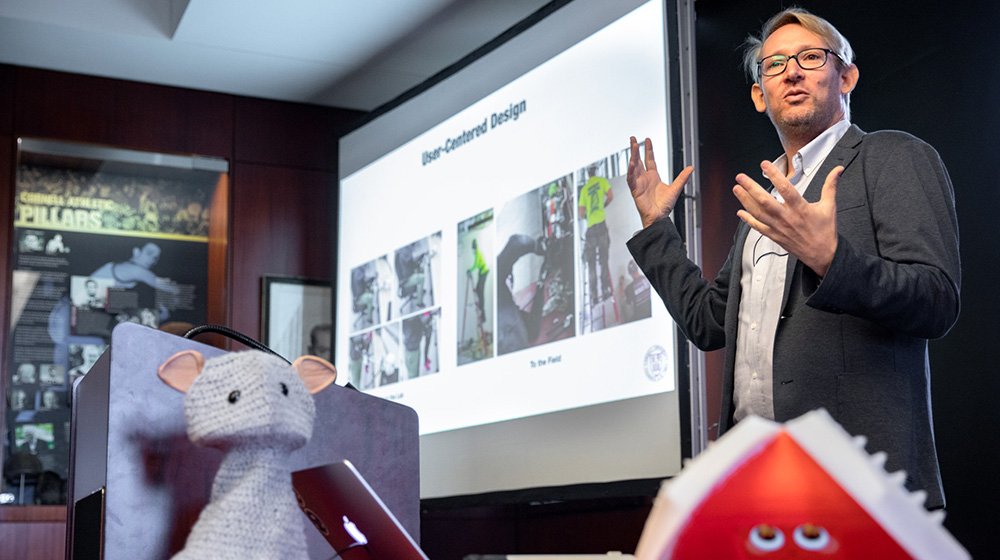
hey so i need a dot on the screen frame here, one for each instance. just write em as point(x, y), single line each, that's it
point(677, 83)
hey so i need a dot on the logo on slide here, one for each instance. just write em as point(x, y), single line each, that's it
point(655, 362)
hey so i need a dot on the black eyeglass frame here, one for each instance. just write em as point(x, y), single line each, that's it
point(788, 58)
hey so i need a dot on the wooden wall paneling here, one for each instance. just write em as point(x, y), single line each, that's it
point(218, 261)
point(6, 99)
point(120, 113)
point(289, 134)
point(32, 532)
point(279, 225)
point(64, 106)
point(160, 118)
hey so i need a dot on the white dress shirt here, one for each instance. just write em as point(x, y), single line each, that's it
point(762, 287)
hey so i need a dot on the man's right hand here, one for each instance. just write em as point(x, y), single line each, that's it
point(653, 198)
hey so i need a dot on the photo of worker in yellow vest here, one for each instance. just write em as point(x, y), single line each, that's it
point(476, 282)
point(605, 220)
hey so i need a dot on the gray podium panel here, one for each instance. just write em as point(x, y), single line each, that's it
point(129, 438)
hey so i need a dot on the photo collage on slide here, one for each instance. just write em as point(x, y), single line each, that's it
point(551, 264)
point(561, 267)
point(395, 315)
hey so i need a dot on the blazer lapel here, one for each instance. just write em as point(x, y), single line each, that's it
point(843, 153)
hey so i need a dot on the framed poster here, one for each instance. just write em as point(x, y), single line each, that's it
point(296, 316)
point(102, 236)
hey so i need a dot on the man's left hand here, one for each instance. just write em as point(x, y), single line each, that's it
point(807, 230)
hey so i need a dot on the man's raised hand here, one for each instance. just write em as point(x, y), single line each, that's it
point(653, 198)
point(805, 229)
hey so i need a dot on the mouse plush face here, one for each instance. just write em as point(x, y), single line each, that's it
point(248, 399)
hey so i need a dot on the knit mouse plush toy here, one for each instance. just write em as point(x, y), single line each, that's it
point(257, 409)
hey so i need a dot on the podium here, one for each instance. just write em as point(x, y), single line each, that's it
point(137, 484)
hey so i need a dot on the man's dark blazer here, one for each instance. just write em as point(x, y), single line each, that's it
point(855, 341)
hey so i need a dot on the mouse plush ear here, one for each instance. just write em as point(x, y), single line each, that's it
point(315, 372)
point(181, 369)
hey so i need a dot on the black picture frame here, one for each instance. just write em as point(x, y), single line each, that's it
point(297, 316)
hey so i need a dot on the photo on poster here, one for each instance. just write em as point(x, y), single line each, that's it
point(34, 438)
point(89, 297)
point(25, 374)
point(52, 398)
point(137, 268)
point(21, 398)
point(535, 268)
point(144, 316)
point(476, 254)
point(420, 343)
point(90, 293)
point(31, 241)
point(609, 286)
point(131, 274)
point(149, 317)
point(51, 374)
point(82, 357)
point(56, 245)
point(418, 270)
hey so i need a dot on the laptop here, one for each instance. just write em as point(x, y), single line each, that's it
point(350, 515)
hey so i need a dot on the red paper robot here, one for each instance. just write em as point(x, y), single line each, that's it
point(802, 490)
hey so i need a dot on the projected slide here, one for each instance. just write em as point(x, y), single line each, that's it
point(489, 250)
point(483, 277)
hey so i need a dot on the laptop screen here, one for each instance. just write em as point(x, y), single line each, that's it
point(350, 515)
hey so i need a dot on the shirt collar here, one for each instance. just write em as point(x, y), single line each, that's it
point(811, 156)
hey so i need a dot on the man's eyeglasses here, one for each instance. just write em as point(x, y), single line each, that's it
point(807, 59)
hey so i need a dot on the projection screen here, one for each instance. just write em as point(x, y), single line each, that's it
point(482, 276)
